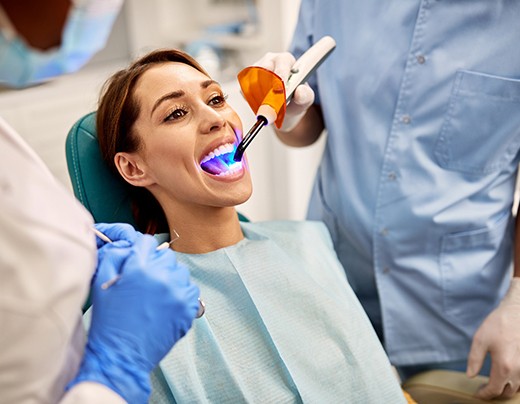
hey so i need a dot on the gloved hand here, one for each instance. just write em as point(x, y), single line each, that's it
point(137, 320)
point(281, 64)
point(122, 234)
point(499, 335)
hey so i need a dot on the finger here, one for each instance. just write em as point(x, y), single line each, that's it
point(180, 274)
point(280, 63)
point(101, 238)
point(110, 264)
point(186, 302)
point(476, 357)
point(510, 390)
point(490, 391)
point(143, 251)
point(495, 386)
point(303, 96)
point(108, 246)
point(117, 231)
point(496, 390)
point(190, 299)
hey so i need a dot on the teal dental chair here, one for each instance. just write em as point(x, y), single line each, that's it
point(105, 195)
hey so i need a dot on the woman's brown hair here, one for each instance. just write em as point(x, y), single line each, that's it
point(117, 112)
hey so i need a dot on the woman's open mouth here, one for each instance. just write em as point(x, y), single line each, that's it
point(220, 161)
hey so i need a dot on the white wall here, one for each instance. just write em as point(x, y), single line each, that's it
point(43, 115)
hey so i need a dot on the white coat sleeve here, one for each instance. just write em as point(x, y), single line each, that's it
point(47, 258)
point(89, 392)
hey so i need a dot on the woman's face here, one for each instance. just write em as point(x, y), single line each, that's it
point(188, 135)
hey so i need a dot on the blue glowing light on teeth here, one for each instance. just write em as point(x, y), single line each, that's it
point(222, 164)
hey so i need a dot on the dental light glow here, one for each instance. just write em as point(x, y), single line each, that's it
point(220, 161)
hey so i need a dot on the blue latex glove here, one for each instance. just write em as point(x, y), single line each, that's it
point(137, 320)
point(122, 234)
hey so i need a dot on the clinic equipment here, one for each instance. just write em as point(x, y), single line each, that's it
point(166, 244)
point(267, 94)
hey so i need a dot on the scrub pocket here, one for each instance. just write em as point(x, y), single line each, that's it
point(481, 129)
point(472, 269)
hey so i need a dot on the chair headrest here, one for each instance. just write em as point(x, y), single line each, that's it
point(102, 192)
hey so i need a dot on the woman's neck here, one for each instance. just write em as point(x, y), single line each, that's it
point(205, 230)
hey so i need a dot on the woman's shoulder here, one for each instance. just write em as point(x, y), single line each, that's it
point(287, 225)
point(301, 230)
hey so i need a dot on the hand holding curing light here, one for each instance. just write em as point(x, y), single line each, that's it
point(268, 95)
point(265, 94)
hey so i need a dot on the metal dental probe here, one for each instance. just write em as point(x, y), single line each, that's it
point(166, 244)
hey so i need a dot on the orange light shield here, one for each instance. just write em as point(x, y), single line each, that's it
point(261, 86)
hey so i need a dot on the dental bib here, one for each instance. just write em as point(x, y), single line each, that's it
point(281, 325)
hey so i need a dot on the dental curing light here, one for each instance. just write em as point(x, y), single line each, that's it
point(268, 95)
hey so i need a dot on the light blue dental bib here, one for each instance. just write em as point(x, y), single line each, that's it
point(281, 325)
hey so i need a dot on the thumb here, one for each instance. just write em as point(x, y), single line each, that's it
point(302, 99)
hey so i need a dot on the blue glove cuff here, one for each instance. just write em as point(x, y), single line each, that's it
point(114, 373)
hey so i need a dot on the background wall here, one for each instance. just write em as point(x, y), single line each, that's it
point(282, 176)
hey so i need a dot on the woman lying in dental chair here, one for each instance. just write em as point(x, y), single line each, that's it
point(281, 322)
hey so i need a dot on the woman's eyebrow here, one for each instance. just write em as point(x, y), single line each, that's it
point(207, 83)
point(169, 96)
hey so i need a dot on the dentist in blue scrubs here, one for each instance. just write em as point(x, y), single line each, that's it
point(50, 257)
point(421, 103)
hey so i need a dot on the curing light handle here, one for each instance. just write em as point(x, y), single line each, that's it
point(261, 121)
point(307, 64)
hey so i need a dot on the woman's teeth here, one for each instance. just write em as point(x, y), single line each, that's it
point(220, 161)
point(219, 151)
point(230, 170)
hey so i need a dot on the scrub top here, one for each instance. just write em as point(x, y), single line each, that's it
point(281, 326)
point(421, 101)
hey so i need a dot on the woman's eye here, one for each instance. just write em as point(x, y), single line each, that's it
point(175, 114)
point(217, 100)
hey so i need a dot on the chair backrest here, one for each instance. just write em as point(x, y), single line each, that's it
point(105, 195)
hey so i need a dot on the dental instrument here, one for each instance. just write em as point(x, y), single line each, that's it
point(271, 107)
point(166, 244)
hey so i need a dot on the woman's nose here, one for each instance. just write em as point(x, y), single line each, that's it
point(212, 120)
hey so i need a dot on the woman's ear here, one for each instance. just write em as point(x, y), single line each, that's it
point(132, 169)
